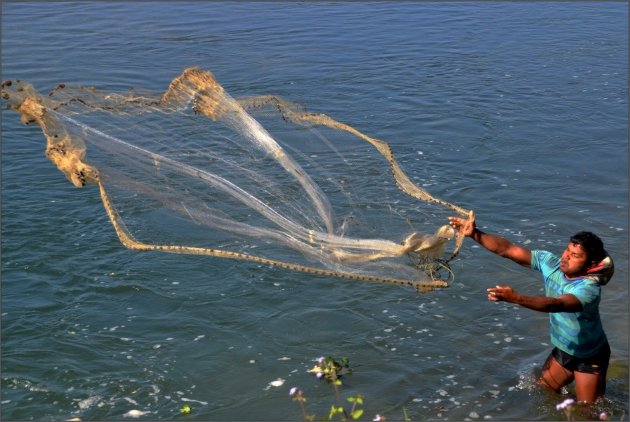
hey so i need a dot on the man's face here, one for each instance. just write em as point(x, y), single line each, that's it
point(574, 260)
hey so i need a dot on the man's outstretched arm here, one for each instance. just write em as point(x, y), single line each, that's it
point(563, 303)
point(493, 243)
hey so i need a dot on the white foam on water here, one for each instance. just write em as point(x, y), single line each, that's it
point(130, 400)
point(89, 402)
point(134, 413)
point(204, 403)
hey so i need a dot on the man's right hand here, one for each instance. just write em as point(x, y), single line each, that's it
point(463, 225)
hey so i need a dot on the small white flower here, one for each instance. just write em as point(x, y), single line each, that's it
point(292, 391)
point(377, 418)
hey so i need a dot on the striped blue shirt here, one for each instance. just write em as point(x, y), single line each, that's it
point(577, 333)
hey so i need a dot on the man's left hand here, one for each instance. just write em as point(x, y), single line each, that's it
point(502, 293)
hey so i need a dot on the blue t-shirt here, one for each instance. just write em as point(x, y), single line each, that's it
point(577, 333)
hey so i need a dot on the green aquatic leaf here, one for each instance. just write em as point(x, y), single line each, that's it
point(357, 414)
point(358, 399)
point(334, 410)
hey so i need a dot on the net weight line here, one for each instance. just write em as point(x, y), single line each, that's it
point(130, 242)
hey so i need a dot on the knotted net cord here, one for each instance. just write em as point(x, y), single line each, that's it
point(303, 220)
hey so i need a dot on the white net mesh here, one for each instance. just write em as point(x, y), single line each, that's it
point(197, 171)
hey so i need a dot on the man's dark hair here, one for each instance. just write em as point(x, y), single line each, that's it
point(592, 244)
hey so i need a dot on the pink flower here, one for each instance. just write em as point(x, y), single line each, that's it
point(565, 404)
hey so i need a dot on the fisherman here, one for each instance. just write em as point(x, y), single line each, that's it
point(572, 283)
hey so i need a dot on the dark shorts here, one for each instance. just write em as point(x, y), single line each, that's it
point(597, 364)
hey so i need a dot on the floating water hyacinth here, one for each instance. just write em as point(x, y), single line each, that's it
point(329, 369)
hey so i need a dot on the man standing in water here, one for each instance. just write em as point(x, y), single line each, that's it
point(572, 296)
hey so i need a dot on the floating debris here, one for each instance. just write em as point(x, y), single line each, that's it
point(276, 383)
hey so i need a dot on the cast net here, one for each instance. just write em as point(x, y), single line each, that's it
point(196, 171)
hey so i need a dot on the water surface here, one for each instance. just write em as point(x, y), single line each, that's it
point(515, 110)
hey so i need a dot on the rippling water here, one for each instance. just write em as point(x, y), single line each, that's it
point(516, 110)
